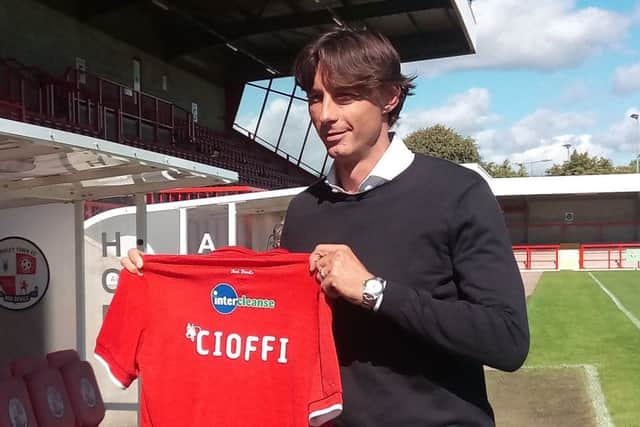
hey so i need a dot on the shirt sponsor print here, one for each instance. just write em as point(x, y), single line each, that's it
point(24, 273)
point(225, 300)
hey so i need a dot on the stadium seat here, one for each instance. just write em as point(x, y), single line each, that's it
point(26, 365)
point(5, 372)
point(57, 359)
point(15, 405)
point(49, 398)
point(84, 393)
point(81, 386)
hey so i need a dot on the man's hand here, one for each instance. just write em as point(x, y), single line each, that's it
point(339, 272)
point(133, 263)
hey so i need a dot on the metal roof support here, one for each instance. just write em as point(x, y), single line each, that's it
point(78, 218)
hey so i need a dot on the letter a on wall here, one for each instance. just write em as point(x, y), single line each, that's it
point(206, 244)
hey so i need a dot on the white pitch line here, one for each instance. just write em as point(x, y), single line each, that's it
point(603, 419)
point(617, 302)
point(594, 390)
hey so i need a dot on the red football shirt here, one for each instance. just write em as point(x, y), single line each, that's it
point(236, 338)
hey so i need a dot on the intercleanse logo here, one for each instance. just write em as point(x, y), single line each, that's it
point(225, 300)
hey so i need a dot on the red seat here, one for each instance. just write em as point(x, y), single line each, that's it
point(5, 372)
point(15, 405)
point(58, 359)
point(49, 398)
point(84, 393)
point(27, 365)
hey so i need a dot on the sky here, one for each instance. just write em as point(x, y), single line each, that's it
point(546, 73)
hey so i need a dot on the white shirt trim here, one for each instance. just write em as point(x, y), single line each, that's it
point(393, 162)
point(317, 418)
point(113, 379)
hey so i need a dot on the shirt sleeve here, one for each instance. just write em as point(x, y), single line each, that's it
point(121, 333)
point(326, 393)
point(488, 322)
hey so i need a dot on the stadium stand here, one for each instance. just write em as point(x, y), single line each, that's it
point(179, 194)
point(87, 104)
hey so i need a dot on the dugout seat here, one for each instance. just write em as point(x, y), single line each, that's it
point(23, 366)
point(15, 405)
point(5, 372)
point(49, 398)
point(57, 359)
point(84, 394)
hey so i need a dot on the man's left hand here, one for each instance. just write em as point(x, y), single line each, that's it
point(339, 271)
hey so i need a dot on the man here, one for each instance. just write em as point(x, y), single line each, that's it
point(413, 249)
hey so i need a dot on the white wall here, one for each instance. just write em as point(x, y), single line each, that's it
point(51, 323)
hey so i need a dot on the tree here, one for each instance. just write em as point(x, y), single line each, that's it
point(504, 169)
point(582, 164)
point(444, 142)
point(630, 168)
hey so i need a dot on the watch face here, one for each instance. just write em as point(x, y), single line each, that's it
point(373, 286)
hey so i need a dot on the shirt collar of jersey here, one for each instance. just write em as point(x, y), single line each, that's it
point(393, 162)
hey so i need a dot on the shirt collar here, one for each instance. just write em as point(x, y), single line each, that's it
point(393, 162)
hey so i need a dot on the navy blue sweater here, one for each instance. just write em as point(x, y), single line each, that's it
point(454, 300)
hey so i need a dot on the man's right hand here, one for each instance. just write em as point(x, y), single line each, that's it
point(133, 263)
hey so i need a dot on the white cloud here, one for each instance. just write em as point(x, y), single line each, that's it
point(540, 135)
point(636, 14)
point(536, 137)
point(540, 35)
point(543, 125)
point(626, 79)
point(624, 135)
point(467, 113)
point(554, 151)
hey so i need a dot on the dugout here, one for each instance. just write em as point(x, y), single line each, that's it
point(54, 156)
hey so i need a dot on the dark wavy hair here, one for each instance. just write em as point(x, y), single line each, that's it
point(360, 60)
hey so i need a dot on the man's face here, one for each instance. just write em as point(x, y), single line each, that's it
point(348, 123)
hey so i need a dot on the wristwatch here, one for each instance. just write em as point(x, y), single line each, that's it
point(372, 290)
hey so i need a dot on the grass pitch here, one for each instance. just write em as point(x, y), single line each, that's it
point(574, 322)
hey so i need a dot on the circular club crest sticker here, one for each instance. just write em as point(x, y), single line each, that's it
point(17, 413)
point(56, 404)
point(88, 393)
point(24, 273)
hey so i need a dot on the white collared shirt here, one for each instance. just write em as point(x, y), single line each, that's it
point(393, 162)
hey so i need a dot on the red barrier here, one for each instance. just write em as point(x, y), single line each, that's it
point(609, 255)
point(537, 257)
